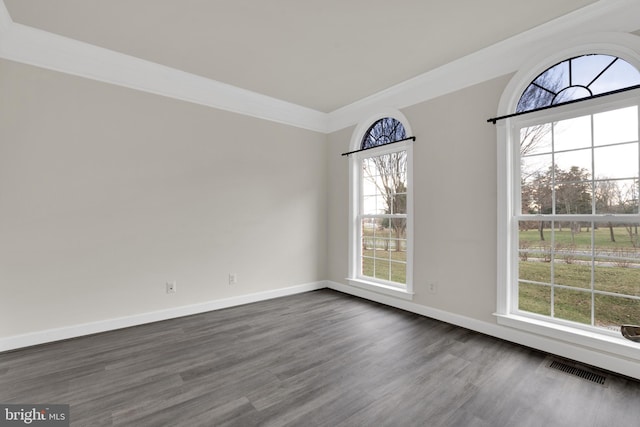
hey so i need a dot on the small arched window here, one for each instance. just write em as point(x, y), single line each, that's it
point(383, 132)
point(380, 250)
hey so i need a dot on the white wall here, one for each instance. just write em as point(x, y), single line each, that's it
point(107, 193)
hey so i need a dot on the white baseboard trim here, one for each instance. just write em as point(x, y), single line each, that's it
point(57, 334)
point(606, 361)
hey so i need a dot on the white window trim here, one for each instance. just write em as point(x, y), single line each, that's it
point(625, 46)
point(355, 188)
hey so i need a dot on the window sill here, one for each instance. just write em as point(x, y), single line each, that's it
point(617, 346)
point(381, 289)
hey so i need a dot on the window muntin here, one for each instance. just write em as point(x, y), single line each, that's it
point(383, 131)
point(382, 235)
point(575, 78)
point(576, 218)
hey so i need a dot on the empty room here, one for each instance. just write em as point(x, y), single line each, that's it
point(319, 213)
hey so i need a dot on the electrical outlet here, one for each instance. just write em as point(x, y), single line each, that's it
point(171, 287)
point(233, 278)
point(432, 288)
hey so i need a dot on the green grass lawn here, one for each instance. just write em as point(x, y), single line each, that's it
point(574, 304)
point(620, 275)
point(379, 263)
point(602, 237)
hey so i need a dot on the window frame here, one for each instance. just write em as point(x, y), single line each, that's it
point(508, 175)
point(355, 278)
point(589, 108)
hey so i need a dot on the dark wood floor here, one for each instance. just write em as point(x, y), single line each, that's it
point(319, 358)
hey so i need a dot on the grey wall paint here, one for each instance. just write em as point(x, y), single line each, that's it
point(107, 193)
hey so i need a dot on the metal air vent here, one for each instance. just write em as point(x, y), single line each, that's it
point(577, 371)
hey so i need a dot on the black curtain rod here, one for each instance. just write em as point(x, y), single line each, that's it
point(376, 146)
point(600, 95)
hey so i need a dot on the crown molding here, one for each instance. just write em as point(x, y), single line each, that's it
point(5, 18)
point(31, 46)
point(494, 61)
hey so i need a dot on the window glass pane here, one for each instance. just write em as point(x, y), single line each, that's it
point(538, 164)
point(573, 197)
point(616, 161)
point(385, 176)
point(536, 185)
point(535, 139)
point(617, 264)
point(572, 305)
point(367, 266)
point(373, 205)
point(534, 265)
point(572, 254)
point(611, 312)
point(369, 205)
point(398, 272)
point(397, 228)
point(369, 186)
point(534, 298)
point(619, 275)
point(399, 204)
point(629, 191)
point(534, 253)
point(570, 272)
point(573, 241)
point(586, 68)
point(573, 165)
point(382, 270)
point(534, 97)
point(616, 196)
point(571, 94)
point(619, 75)
point(572, 133)
point(381, 248)
point(368, 235)
point(612, 127)
point(554, 78)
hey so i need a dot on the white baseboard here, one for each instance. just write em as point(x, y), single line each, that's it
point(606, 361)
point(51, 335)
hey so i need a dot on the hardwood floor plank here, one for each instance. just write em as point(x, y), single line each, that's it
point(316, 359)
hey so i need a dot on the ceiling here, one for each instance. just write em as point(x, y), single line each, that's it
point(320, 54)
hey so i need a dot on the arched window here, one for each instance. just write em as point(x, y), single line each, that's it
point(383, 132)
point(570, 200)
point(577, 78)
point(381, 208)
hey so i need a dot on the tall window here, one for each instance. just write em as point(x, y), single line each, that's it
point(381, 226)
point(574, 209)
